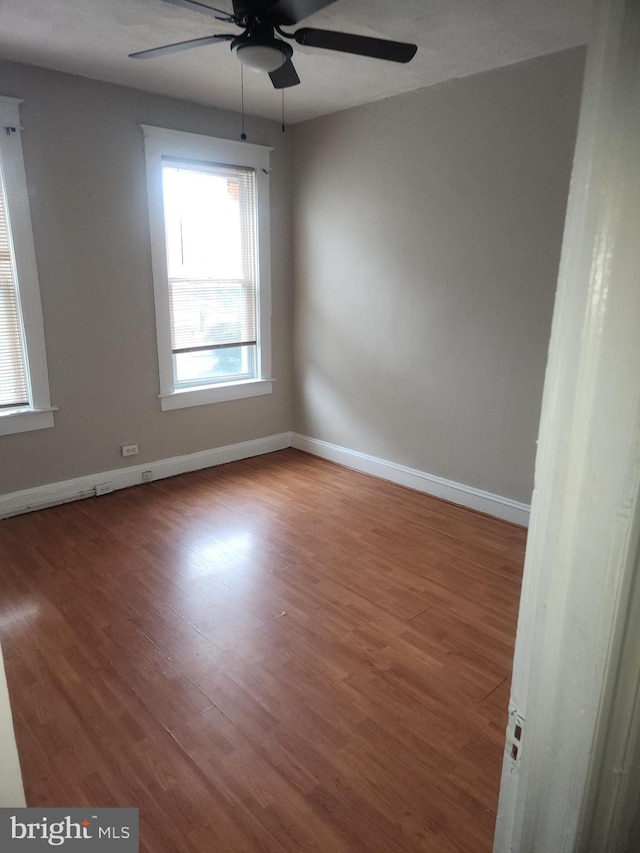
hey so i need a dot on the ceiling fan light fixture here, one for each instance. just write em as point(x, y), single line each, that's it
point(261, 55)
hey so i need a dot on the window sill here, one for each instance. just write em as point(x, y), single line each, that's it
point(184, 398)
point(26, 421)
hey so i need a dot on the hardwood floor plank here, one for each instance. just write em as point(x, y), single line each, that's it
point(278, 654)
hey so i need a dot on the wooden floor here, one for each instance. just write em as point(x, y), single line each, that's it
point(274, 655)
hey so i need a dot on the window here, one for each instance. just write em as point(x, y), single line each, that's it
point(24, 384)
point(209, 219)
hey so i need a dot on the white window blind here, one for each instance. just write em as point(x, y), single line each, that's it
point(210, 234)
point(14, 386)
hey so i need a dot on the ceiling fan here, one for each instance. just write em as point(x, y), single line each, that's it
point(259, 48)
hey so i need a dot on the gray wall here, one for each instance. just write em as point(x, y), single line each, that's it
point(85, 167)
point(427, 234)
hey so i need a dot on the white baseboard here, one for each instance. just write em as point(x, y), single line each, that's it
point(65, 491)
point(467, 496)
point(53, 494)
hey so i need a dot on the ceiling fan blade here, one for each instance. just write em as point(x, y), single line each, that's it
point(196, 6)
point(285, 76)
point(394, 51)
point(180, 45)
point(289, 12)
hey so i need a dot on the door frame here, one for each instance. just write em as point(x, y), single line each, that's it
point(567, 767)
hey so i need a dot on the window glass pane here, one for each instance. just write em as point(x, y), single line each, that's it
point(217, 364)
point(202, 221)
point(210, 250)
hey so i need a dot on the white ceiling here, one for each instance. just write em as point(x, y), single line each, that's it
point(455, 38)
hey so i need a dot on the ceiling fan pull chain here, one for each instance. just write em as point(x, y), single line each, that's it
point(243, 135)
point(283, 110)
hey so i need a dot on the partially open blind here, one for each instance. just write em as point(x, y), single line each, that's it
point(14, 392)
point(210, 235)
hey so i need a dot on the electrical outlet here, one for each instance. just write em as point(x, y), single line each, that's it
point(104, 488)
point(147, 476)
point(129, 449)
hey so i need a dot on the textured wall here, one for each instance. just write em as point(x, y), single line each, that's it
point(427, 234)
point(85, 166)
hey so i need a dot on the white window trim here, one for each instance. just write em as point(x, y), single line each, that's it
point(159, 142)
point(39, 415)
